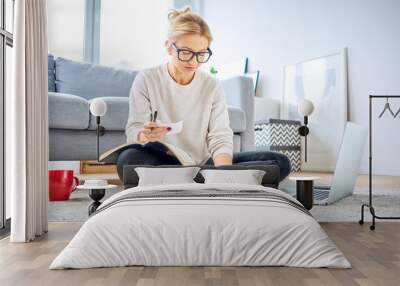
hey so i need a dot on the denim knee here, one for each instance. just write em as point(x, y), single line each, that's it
point(129, 157)
point(281, 160)
point(121, 161)
point(284, 164)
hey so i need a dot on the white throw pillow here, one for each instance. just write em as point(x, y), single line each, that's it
point(163, 176)
point(249, 177)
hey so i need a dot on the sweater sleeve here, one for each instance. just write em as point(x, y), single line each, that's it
point(220, 135)
point(139, 109)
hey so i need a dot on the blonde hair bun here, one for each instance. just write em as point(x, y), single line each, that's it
point(175, 13)
point(185, 22)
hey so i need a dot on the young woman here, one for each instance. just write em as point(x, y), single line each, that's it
point(179, 91)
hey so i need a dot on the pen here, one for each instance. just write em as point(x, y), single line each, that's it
point(155, 116)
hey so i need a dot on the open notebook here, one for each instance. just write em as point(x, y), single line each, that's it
point(111, 155)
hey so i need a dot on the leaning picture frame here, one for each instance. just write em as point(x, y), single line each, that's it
point(323, 80)
point(254, 76)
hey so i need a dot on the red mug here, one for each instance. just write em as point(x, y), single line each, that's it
point(61, 184)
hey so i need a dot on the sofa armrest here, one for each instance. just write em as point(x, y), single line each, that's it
point(239, 92)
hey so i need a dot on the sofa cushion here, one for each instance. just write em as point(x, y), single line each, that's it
point(90, 81)
point(51, 65)
point(68, 111)
point(237, 119)
point(116, 116)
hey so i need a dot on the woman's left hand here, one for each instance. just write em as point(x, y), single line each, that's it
point(222, 159)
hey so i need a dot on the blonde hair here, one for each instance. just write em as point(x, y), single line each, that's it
point(185, 22)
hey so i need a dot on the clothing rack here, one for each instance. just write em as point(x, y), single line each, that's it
point(369, 205)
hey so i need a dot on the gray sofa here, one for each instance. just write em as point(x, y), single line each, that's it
point(72, 129)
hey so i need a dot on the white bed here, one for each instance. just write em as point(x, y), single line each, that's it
point(255, 226)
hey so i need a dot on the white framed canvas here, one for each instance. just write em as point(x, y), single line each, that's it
point(323, 80)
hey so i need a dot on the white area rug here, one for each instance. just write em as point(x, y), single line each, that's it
point(385, 201)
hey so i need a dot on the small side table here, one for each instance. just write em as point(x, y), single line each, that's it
point(304, 190)
point(96, 193)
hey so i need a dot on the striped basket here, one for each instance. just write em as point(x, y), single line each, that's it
point(280, 136)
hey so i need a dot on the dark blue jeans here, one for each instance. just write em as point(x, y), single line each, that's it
point(140, 155)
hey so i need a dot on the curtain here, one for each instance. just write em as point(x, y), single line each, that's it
point(28, 123)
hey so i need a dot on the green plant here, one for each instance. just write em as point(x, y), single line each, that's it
point(213, 71)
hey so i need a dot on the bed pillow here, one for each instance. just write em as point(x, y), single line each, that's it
point(163, 176)
point(249, 177)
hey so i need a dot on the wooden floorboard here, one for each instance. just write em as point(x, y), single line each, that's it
point(374, 255)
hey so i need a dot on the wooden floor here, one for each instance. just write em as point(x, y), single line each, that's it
point(374, 255)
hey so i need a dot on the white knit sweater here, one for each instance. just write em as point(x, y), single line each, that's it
point(200, 105)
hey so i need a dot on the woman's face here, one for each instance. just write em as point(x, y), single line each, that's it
point(194, 43)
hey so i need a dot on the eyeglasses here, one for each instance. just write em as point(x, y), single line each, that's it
point(186, 55)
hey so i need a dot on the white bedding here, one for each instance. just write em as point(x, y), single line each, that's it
point(183, 231)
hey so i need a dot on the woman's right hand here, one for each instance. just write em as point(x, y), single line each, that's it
point(152, 132)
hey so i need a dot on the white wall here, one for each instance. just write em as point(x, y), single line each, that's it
point(66, 28)
point(133, 32)
point(275, 33)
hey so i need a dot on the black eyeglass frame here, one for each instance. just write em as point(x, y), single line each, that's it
point(178, 50)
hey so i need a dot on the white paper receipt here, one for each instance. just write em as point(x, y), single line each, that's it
point(175, 127)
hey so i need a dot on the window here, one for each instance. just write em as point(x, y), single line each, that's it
point(66, 27)
point(129, 33)
point(132, 32)
point(9, 11)
point(6, 43)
